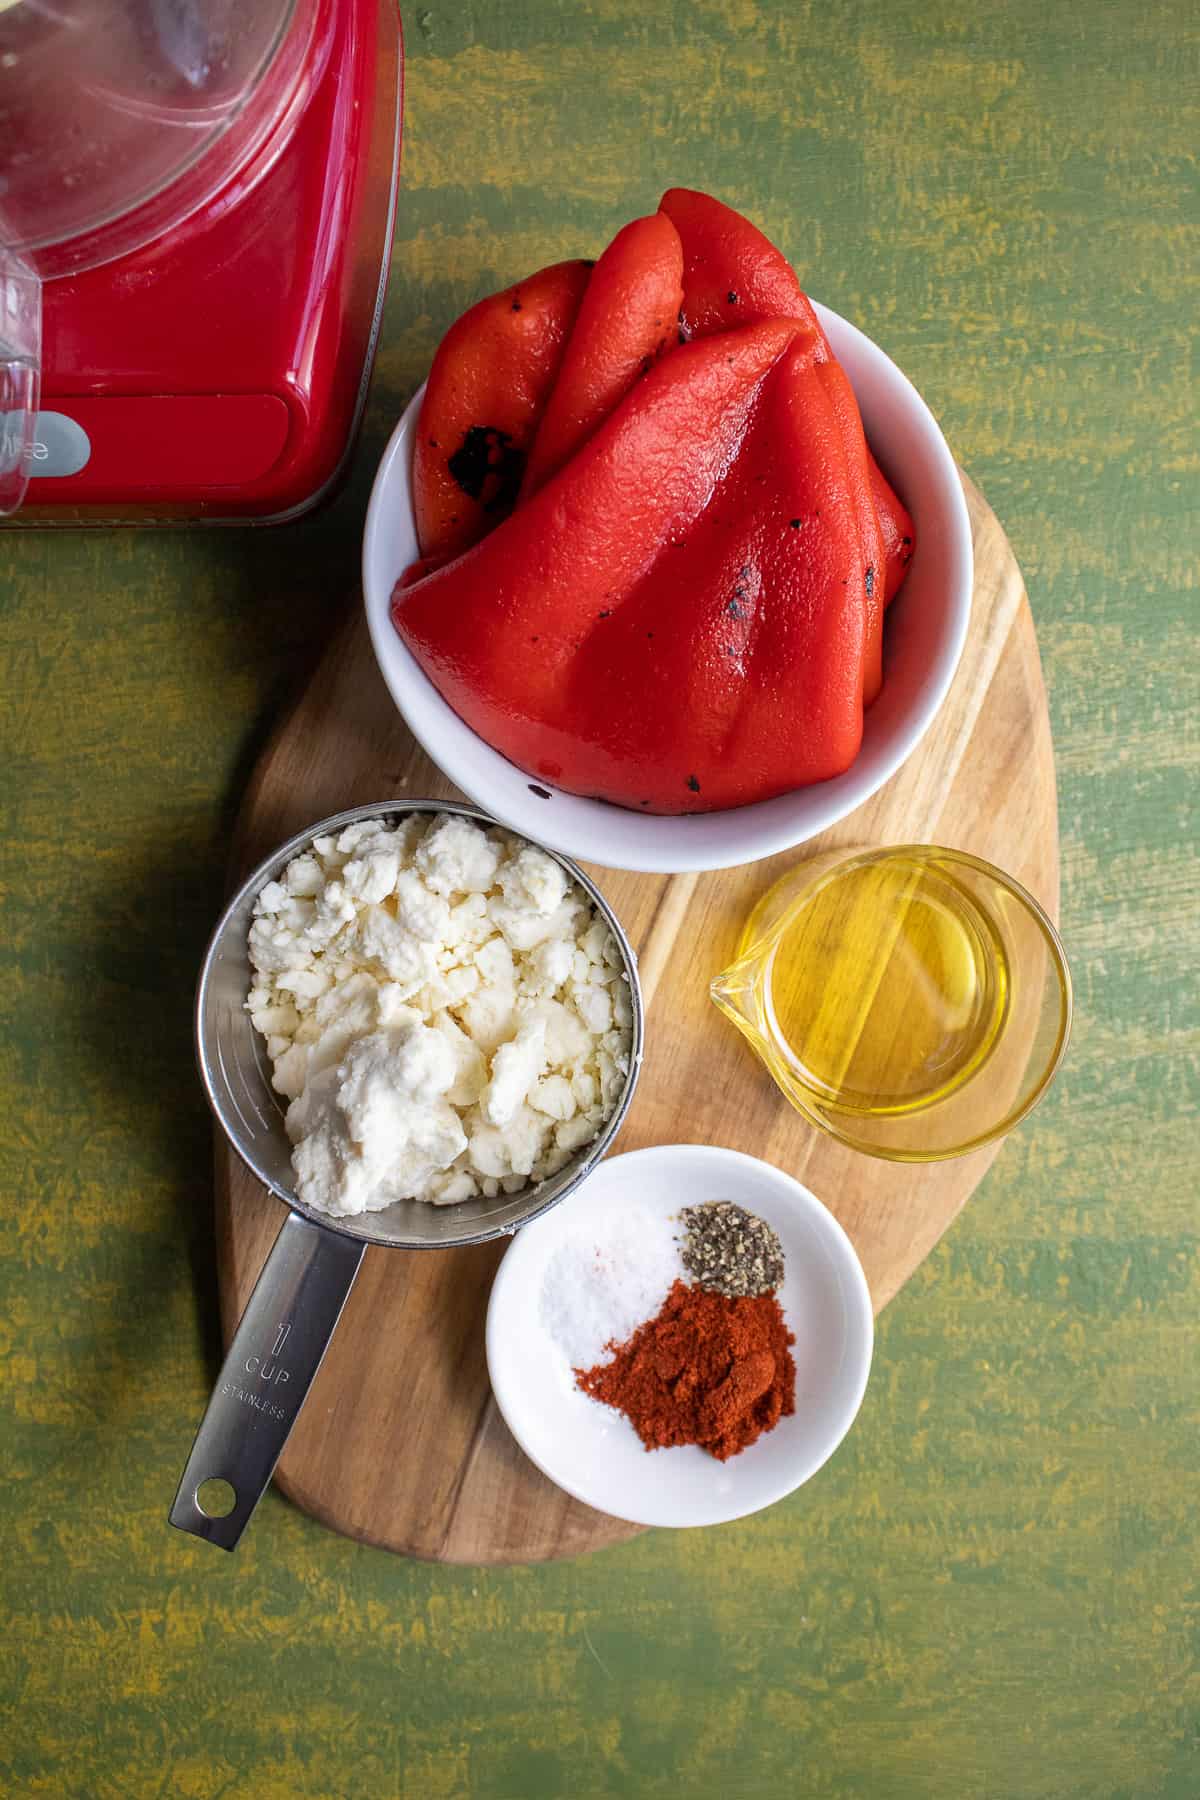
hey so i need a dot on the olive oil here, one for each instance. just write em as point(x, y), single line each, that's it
point(913, 1002)
point(888, 989)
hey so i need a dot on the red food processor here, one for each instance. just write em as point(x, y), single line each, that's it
point(196, 209)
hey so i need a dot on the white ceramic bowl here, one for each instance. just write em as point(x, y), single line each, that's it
point(926, 629)
point(591, 1450)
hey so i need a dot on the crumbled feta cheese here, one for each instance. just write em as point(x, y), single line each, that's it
point(553, 1096)
point(551, 963)
point(593, 941)
point(534, 880)
point(585, 1089)
point(455, 857)
point(516, 1068)
point(304, 876)
point(420, 910)
point(593, 1006)
point(572, 1134)
point(452, 1186)
point(443, 1012)
point(401, 954)
point(525, 927)
point(487, 1015)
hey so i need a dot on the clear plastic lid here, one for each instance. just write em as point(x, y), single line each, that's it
point(118, 118)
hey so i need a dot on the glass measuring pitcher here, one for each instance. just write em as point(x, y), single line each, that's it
point(913, 1002)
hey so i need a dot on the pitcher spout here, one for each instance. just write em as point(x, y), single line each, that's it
point(735, 991)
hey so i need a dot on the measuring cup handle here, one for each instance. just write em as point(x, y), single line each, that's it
point(276, 1351)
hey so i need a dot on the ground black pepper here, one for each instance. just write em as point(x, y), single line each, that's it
point(730, 1250)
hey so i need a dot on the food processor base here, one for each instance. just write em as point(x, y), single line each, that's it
point(218, 375)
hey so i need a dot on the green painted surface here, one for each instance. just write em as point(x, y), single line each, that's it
point(992, 1590)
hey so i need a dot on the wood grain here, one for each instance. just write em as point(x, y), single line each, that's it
point(400, 1443)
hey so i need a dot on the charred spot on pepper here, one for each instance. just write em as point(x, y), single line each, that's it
point(795, 524)
point(735, 611)
point(731, 298)
point(870, 582)
point(488, 467)
point(516, 306)
point(605, 614)
point(693, 783)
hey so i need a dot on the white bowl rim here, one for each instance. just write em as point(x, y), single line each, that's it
point(746, 834)
point(860, 1340)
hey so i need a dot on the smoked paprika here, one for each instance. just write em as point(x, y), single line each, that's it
point(708, 1370)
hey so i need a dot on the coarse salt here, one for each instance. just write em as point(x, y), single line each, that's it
point(607, 1278)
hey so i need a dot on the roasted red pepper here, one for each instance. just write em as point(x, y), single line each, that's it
point(487, 390)
point(840, 394)
point(896, 529)
point(685, 610)
point(628, 317)
point(732, 275)
point(676, 621)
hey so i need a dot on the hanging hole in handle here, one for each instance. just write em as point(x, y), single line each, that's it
point(216, 1498)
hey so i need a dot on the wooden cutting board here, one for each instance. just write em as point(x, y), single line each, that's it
point(400, 1443)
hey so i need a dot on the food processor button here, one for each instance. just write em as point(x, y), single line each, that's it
point(60, 445)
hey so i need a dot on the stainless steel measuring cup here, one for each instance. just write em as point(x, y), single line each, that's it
point(290, 1318)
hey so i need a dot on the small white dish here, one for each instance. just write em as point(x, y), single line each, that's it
point(926, 630)
point(592, 1451)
